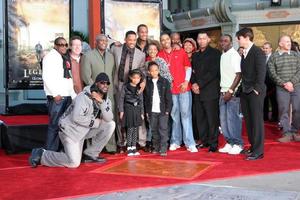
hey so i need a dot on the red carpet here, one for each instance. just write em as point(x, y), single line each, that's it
point(24, 119)
point(19, 181)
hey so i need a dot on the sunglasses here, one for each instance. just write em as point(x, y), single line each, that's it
point(104, 83)
point(63, 45)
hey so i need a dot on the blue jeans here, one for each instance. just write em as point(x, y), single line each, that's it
point(182, 119)
point(231, 121)
point(55, 111)
point(149, 135)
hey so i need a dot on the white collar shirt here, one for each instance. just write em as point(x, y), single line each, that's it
point(246, 51)
point(155, 98)
point(53, 76)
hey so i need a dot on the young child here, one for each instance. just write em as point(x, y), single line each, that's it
point(131, 109)
point(158, 105)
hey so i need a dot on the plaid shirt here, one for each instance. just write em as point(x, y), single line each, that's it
point(285, 67)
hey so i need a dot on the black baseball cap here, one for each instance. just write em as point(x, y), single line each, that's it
point(102, 77)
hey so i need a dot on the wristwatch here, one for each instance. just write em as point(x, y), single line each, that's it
point(230, 91)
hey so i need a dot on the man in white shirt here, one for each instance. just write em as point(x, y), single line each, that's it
point(231, 122)
point(58, 86)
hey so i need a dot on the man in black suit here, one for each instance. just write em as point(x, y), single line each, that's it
point(206, 87)
point(270, 99)
point(253, 68)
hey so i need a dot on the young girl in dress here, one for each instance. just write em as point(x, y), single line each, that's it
point(131, 109)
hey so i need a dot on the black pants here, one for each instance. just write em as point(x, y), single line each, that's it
point(252, 109)
point(160, 132)
point(271, 99)
point(206, 117)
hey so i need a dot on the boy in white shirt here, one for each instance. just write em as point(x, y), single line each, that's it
point(158, 105)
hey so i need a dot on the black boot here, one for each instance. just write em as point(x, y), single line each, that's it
point(148, 147)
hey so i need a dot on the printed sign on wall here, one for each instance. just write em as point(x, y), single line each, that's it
point(32, 26)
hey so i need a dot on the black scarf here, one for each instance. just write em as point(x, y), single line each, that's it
point(125, 51)
point(96, 108)
point(67, 66)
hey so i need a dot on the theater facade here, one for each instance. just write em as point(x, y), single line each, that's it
point(268, 18)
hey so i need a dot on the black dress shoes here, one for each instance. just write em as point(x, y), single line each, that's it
point(201, 146)
point(246, 152)
point(213, 149)
point(90, 159)
point(255, 157)
point(35, 158)
point(148, 147)
point(121, 149)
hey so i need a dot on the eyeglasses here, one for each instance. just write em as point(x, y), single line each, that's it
point(63, 45)
point(104, 83)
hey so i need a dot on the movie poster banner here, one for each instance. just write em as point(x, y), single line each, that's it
point(32, 26)
point(122, 16)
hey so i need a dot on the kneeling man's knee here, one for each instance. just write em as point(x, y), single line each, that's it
point(73, 165)
point(111, 126)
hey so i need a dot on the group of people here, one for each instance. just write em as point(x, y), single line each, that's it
point(164, 95)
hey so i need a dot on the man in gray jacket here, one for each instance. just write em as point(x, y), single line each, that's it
point(89, 116)
point(96, 61)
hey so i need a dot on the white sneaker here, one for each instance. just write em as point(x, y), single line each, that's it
point(130, 154)
point(136, 153)
point(226, 148)
point(130, 151)
point(236, 149)
point(173, 147)
point(192, 149)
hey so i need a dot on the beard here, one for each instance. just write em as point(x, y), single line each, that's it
point(103, 93)
point(94, 88)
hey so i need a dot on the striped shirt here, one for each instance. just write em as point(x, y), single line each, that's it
point(163, 69)
point(285, 67)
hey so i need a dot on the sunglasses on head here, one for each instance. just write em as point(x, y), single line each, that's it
point(62, 45)
point(104, 83)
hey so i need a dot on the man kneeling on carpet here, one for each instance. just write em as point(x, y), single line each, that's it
point(89, 116)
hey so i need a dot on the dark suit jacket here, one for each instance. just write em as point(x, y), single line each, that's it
point(165, 95)
point(268, 81)
point(206, 73)
point(253, 69)
point(137, 63)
